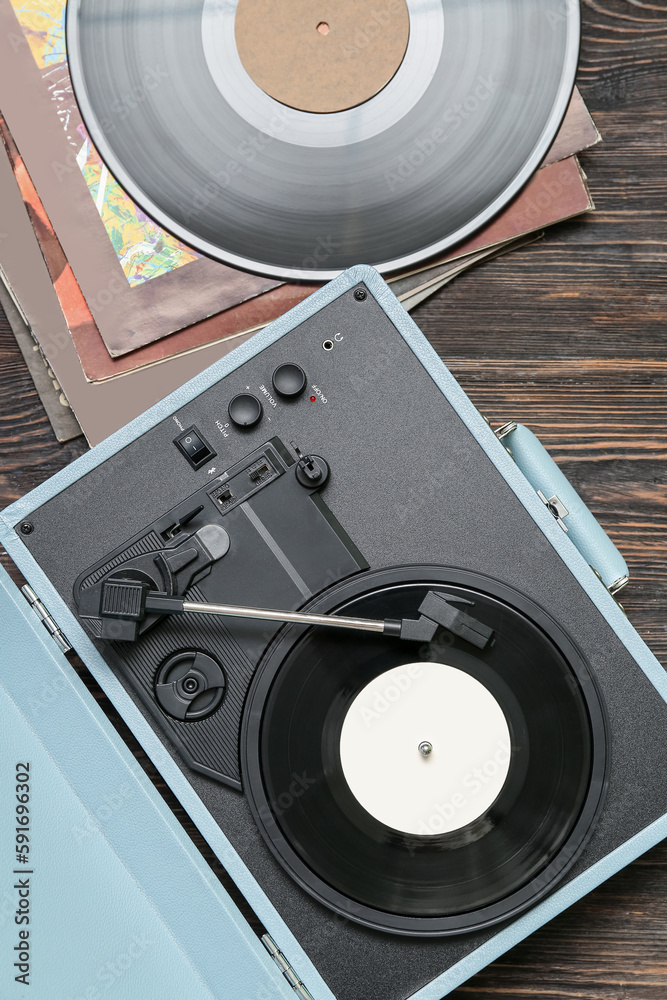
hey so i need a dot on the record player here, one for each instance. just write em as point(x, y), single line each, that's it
point(381, 666)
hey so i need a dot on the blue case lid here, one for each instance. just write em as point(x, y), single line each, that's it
point(115, 898)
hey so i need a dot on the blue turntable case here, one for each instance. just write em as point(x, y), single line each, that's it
point(116, 880)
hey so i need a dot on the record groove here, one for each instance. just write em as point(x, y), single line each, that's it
point(473, 875)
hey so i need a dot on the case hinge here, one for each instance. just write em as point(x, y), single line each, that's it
point(286, 969)
point(556, 508)
point(46, 619)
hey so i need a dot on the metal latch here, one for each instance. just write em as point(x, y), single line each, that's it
point(555, 507)
point(46, 619)
point(286, 969)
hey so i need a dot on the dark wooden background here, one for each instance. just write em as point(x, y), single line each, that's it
point(570, 337)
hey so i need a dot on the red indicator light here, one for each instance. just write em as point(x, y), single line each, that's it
point(313, 399)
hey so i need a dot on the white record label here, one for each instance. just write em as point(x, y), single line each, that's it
point(425, 748)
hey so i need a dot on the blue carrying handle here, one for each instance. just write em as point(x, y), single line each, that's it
point(566, 505)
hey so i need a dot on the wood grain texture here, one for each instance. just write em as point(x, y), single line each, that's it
point(570, 337)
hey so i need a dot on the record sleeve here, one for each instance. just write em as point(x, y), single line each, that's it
point(139, 283)
point(100, 408)
point(556, 192)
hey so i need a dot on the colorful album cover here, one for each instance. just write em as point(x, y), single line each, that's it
point(140, 283)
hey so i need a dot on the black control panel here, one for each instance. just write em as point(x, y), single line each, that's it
point(258, 534)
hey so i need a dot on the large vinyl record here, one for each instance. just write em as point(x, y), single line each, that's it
point(425, 788)
point(296, 138)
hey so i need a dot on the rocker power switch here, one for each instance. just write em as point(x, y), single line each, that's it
point(194, 447)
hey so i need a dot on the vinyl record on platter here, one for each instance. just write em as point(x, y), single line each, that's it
point(298, 137)
point(432, 788)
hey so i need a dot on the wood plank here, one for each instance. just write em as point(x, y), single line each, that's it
point(570, 337)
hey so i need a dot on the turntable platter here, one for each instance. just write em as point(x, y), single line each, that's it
point(341, 732)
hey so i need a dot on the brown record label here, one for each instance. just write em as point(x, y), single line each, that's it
point(320, 55)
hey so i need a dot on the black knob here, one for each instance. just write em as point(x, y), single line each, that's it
point(312, 471)
point(245, 410)
point(289, 380)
